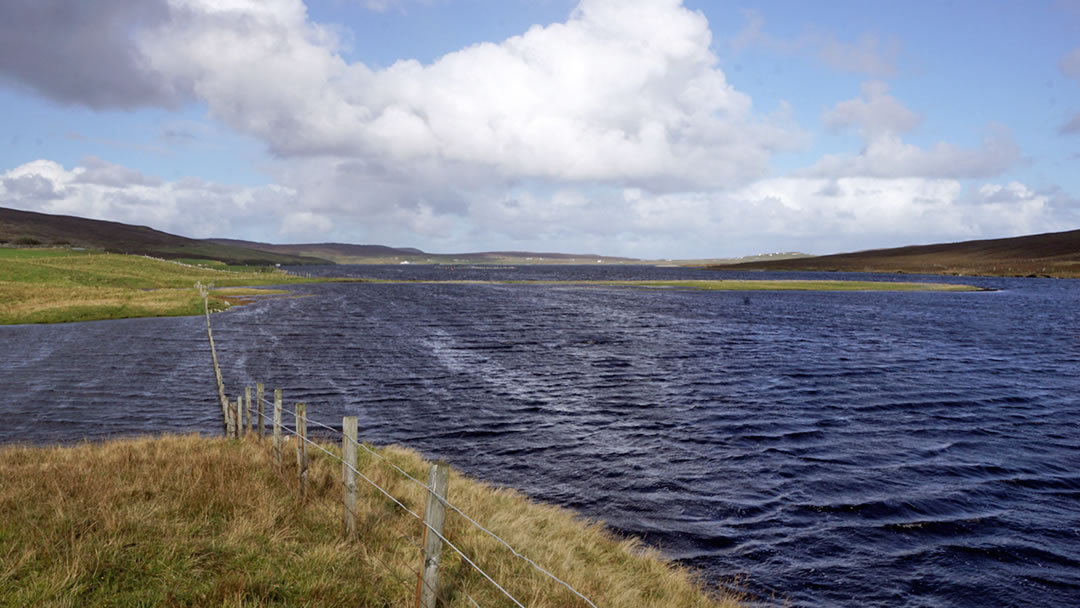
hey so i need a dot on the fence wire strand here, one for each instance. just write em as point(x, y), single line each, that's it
point(445, 502)
point(410, 512)
point(472, 521)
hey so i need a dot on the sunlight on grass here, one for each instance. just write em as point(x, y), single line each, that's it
point(60, 285)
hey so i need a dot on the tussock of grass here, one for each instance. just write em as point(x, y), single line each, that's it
point(192, 521)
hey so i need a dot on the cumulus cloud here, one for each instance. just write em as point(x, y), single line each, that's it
point(625, 92)
point(874, 114)
point(85, 52)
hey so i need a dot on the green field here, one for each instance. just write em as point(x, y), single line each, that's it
point(62, 285)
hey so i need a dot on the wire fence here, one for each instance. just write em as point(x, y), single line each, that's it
point(429, 592)
point(430, 583)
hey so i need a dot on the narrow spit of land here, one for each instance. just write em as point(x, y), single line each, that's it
point(195, 521)
point(731, 285)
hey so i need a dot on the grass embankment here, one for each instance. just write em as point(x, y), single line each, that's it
point(62, 285)
point(193, 521)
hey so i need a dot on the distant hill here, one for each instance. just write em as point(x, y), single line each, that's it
point(1055, 254)
point(30, 228)
point(342, 253)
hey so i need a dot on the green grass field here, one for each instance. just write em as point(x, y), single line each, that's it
point(62, 285)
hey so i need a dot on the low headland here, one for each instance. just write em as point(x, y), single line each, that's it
point(56, 285)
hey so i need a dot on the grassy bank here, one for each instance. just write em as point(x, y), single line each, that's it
point(62, 285)
point(191, 521)
point(733, 285)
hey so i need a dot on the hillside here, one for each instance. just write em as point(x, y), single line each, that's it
point(342, 253)
point(1055, 254)
point(30, 228)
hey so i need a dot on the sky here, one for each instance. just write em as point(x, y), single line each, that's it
point(644, 128)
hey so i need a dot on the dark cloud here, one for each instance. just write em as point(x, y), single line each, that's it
point(83, 52)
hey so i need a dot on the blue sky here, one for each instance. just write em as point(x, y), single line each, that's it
point(647, 128)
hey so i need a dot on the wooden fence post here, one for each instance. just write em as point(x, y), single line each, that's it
point(348, 472)
point(277, 427)
point(247, 406)
point(239, 418)
point(230, 420)
point(301, 449)
point(434, 518)
point(204, 291)
point(259, 407)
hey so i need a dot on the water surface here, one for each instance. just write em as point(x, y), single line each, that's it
point(851, 449)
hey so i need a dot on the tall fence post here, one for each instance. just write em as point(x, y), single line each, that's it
point(277, 427)
point(434, 518)
point(259, 392)
point(247, 406)
point(230, 420)
point(301, 449)
point(348, 472)
point(239, 418)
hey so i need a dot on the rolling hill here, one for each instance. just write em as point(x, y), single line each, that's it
point(1055, 254)
point(342, 253)
point(30, 228)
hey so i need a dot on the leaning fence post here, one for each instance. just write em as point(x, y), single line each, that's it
point(348, 472)
point(434, 517)
point(247, 406)
point(259, 406)
point(277, 427)
point(301, 449)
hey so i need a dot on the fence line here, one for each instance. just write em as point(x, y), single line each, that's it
point(300, 412)
point(472, 521)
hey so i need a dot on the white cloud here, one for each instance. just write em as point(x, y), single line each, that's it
point(881, 118)
point(623, 92)
point(887, 155)
point(101, 190)
point(875, 113)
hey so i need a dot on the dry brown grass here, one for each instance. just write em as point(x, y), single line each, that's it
point(192, 521)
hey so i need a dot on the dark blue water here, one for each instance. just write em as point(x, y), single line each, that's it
point(851, 449)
